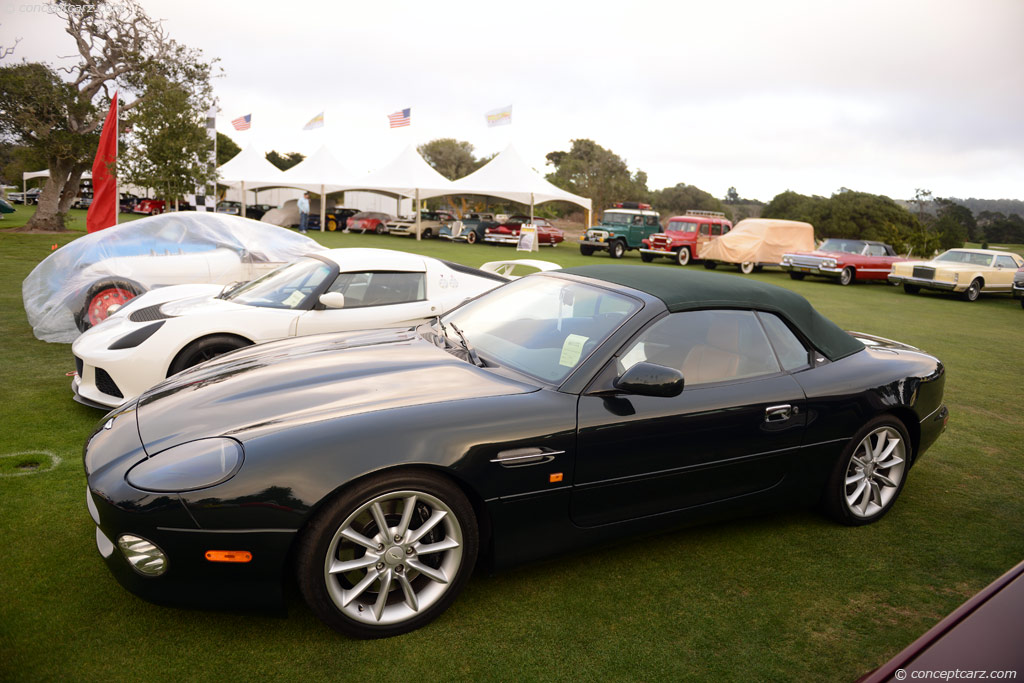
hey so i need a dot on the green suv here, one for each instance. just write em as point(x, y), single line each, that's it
point(623, 227)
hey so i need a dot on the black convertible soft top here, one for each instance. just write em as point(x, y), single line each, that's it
point(685, 290)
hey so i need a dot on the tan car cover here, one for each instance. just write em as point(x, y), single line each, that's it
point(761, 240)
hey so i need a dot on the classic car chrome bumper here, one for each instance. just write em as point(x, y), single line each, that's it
point(502, 239)
point(658, 252)
point(812, 269)
point(1018, 290)
point(925, 283)
point(595, 244)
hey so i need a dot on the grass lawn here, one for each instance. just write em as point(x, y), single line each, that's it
point(783, 597)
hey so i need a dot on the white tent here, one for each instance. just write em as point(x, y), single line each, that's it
point(407, 176)
point(509, 177)
point(321, 172)
point(45, 173)
point(249, 167)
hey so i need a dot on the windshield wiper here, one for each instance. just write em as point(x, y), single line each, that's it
point(473, 357)
point(228, 288)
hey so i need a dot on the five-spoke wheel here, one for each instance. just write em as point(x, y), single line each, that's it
point(388, 555)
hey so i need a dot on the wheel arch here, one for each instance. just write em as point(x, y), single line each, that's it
point(483, 519)
point(188, 344)
point(913, 426)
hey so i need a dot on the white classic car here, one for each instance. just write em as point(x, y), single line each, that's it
point(969, 272)
point(162, 332)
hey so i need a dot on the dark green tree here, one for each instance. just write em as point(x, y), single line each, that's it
point(590, 170)
point(450, 157)
point(167, 148)
point(679, 199)
point(227, 149)
point(732, 196)
point(119, 48)
point(284, 161)
point(955, 224)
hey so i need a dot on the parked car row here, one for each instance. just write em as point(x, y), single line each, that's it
point(473, 228)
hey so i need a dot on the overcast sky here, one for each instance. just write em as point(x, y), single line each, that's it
point(879, 96)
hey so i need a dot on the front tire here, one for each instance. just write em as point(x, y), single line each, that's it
point(388, 555)
point(846, 277)
point(101, 297)
point(683, 256)
point(204, 349)
point(796, 276)
point(617, 249)
point(586, 249)
point(973, 291)
point(911, 289)
point(869, 476)
point(646, 258)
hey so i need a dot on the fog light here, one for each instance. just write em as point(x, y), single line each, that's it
point(144, 556)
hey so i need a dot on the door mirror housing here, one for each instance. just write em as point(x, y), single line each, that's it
point(333, 300)
point(649, 379)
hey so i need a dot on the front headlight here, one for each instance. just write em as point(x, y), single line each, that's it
point(786, 260)
point(190, 466)
point(829, 263)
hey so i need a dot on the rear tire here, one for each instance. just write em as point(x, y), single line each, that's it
point(683, 256)
point(869, 475)
point(471, 237)
point(747, 267)
point(710, 265)
point(204, 349)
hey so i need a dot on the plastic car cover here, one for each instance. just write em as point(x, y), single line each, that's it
point(172, 248)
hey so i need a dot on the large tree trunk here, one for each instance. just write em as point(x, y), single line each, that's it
point(71, 187)
point(48, 215)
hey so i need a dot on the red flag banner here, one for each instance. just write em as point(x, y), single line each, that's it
point(103, 210)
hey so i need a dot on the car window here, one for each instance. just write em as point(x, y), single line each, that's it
point(705, 229)
point(682, 226)
point(1006, 262)
point(716, 229)
point(379, 288)
point(651, 220)
point(706, 346)
point(790, 351)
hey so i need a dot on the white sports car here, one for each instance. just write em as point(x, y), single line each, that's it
point(167, 330)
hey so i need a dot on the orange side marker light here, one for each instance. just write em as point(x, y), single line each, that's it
point(229, 556)
point(555, 478)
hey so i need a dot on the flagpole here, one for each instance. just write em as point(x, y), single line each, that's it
point(117, 142)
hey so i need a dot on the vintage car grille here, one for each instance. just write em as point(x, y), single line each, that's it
point(806, 261)
point(148, 314)
point(78, 365)
point(922, 272)
point(660, 241)
point(106, 384)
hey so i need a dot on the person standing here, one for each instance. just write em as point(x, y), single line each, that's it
point(304, 212)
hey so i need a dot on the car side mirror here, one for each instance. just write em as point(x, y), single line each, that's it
point(333, 300)
point(649, 379)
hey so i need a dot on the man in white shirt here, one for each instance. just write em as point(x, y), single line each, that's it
point(304, 212)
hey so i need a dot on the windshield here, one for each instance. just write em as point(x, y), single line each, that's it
point(542, 326)
point(845, 246)
point(286, 287)
point(682, 226)
point(617, 217)
point(957, 256)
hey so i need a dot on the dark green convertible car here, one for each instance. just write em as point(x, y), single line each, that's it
point(561, 410)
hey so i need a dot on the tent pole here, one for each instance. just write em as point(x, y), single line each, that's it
point(242, 212)
point(587, 226)
point(323, 209)
point(418, 228)
point(531, 207)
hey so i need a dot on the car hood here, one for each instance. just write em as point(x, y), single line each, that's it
point(825, 254)
point(268, 387)
point(947, 266)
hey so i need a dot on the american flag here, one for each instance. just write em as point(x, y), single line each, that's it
point(242, 122)
point(399, 118)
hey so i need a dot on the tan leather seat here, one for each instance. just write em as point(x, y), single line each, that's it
point(718, 359)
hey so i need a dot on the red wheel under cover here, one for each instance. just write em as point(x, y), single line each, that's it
point(102, 300)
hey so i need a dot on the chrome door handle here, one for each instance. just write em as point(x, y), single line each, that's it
point(518, 457)
point(779, 413)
